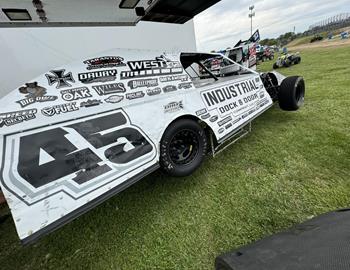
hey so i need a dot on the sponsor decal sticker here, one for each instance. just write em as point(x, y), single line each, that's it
point(154, 92)
point(225, 121)
point(105, 62)
point(135, 95)
point(61, 78)
point(174, 78)
point(229, 126)
point(205, 116)
point(221, 130)
point(169, 88)
point(34, 93)
point(232, 97)
point(114, 99)
point(75, 94)
point(236, 120)
point(13, 118)
point(58, 109)
point(90, 103)
point(185, 85)
point(147, 68)
point(214, 118)
point(107, 89)
point(200, 112)
point(143, 83)
point(173, 107)
point(98, 76)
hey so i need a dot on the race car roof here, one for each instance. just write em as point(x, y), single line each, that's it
point(43, 13)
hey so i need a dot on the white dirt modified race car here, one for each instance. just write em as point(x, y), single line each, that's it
point(77, 135)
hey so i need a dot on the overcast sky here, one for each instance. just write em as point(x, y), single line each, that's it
point(227, 22)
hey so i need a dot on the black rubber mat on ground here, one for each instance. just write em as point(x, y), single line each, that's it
point(322, 243)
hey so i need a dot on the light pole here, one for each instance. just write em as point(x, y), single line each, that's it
point(251, 15)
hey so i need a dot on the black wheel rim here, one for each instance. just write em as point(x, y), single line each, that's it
point(183, 147)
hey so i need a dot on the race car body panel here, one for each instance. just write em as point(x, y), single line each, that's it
point(78, 134)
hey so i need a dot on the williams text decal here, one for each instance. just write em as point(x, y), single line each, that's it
point(107, 89)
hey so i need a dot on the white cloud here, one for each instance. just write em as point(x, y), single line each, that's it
point(227, 22)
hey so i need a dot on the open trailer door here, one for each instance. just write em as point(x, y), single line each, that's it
point(68, 13)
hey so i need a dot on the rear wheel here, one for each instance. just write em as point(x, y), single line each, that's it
point(297, 60)
point(182, 148)
point(286, 63)
point(291, 94)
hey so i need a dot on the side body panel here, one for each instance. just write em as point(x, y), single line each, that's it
point(79, 134)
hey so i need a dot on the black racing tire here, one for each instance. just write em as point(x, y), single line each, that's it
point(297, 60)
point(286, 64)
point(183, 148)
point(275, 66)
point(292, 93)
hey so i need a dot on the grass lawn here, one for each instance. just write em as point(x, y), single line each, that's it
point(291, 167)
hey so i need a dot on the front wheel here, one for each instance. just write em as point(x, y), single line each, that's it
point(182, 148)
point(291, 94)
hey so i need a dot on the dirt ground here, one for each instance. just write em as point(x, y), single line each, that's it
point(326, 43)
point(336, 42)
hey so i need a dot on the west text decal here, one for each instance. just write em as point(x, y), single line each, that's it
point(98, 76)
point(104, 62)
point(148, 68)
point(60, 78)
point(107, 89)
point(58, 109)
point(143, 83)
point(12, 118)
point(75, 94)
point(34, 93)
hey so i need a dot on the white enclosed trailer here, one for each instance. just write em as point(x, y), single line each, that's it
point(38, 35)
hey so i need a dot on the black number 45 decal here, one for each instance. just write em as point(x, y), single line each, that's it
point(120, 145)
